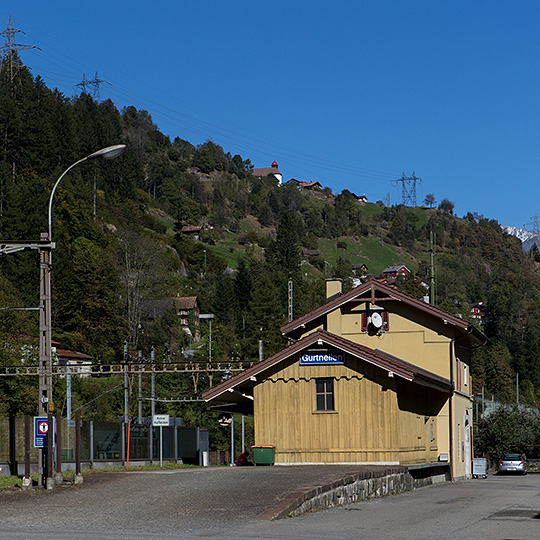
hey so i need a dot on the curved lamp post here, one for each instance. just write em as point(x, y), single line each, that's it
point(45, 335)
point(108, 153)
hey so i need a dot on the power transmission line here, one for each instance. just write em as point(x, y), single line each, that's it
point(535, 224)
point(10, 48)
point(83, 84)
point(408, 189)
point(93, 84)
point(253, 145)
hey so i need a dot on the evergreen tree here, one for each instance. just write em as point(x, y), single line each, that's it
point(284, 252)
point(265, 315)
point(243, 286)
point(224, 300)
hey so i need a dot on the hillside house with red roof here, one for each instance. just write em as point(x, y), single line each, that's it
point(393, 272)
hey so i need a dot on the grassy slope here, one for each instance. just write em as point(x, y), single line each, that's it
point(376, 254)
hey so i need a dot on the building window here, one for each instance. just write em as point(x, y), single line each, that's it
point(465, 375)
point(324, 394)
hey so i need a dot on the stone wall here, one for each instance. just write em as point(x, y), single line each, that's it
point(360, 487)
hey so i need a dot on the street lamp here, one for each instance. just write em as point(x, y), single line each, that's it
point(45, 330)
point(108, 153)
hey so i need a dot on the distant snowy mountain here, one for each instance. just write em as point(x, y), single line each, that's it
point(519, 232)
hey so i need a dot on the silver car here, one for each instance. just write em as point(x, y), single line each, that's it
point(516, 463)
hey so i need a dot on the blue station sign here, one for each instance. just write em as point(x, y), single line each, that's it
point(41, 431)
point(322, 358)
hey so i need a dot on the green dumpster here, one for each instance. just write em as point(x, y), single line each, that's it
point(263, 454)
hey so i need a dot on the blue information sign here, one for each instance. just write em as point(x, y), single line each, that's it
point(319, 358)
point(41, 430)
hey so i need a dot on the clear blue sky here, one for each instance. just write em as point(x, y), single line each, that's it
point(349, 93)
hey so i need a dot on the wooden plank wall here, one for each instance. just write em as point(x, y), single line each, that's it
point(377, 418)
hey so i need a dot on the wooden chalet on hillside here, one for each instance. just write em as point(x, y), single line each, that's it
point(304, 185)
point(193, 230)
point(395, 271)
point(188, 309)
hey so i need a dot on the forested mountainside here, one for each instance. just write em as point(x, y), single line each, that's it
point(120, 249)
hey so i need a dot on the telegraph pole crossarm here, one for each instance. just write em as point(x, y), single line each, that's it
point(14, 247)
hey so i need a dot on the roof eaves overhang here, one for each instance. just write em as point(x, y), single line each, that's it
point(443, 385)
point(385, 293)
point(243, 382)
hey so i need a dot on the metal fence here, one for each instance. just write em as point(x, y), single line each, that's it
point(104, 443)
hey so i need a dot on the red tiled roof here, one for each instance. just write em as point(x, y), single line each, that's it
point(62, 353)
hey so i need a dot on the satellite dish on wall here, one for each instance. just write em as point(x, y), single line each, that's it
point(376, 320)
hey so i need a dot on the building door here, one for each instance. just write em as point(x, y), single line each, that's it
point(467, 443)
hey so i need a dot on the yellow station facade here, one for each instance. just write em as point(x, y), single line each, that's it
point(373, 376)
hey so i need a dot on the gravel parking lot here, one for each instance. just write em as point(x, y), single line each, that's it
point(159, 504)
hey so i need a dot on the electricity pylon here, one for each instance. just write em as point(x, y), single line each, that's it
point(10, 48)
point(408, 189)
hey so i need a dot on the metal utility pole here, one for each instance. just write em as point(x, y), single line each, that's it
point(95, 82)
point(408, 189)
point(153, 389)
point(45, 404)
point(44, 247)
point(232, 440)
point(290, 290)
point(153, 406)
point(68, 393)
point(432, 299)
point(45, 330)
point(210, 317)
point(126, 392)
point(243, 434)
point(140, 387)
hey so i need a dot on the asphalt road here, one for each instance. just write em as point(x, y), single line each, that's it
point(227, 503)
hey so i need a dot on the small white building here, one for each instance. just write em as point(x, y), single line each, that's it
point(78, 363)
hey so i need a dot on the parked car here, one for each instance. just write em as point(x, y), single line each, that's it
point(513, 463)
